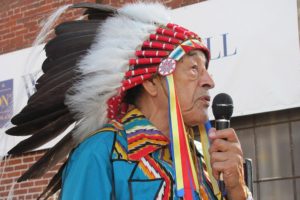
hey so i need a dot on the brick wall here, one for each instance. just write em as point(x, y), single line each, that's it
point(12, 168)
point(20, 22)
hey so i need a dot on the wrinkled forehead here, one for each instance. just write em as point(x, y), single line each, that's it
point(199, 54)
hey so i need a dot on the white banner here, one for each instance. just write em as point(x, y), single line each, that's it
point(255, 50)
point(19, 71)
point(255, 58)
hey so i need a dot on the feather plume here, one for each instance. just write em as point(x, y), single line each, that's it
point(32, 126)
point(52, 93)
point(43, 135)
point(24, 117)
point(51, 66)
point(55, 50)
point(56, 80)
point(136, 22)
point(80, 75)
point(77, 26)
point(46, 118)
point(96, 7)
point(69, 36)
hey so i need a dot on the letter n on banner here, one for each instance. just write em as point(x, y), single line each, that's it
point(6, 101)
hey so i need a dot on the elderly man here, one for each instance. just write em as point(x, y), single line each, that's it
point(95, 170)
point(133, 157)
point(142, 94)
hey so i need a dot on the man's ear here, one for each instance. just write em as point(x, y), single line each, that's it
point(150, 86)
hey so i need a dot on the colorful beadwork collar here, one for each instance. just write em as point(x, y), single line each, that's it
point(142, 137)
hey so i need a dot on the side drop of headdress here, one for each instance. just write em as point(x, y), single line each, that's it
point(89, 67)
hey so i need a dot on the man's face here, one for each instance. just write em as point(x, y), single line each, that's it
point(192, 83)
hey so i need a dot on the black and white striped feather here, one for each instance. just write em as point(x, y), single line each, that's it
point(79, 77)
point(46, 115)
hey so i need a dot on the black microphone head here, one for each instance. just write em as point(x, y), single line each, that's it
point(222, 106)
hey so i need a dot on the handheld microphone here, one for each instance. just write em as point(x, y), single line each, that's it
point(222, 108)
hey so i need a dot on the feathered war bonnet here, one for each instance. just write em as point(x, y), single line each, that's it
point(126, 46)
point(129, 48)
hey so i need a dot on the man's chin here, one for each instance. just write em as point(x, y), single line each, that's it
point(196, 121)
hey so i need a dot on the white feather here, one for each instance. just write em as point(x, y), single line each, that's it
point(104, 66)
point(140, 11)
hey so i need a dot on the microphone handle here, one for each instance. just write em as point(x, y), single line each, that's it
point(221, 124)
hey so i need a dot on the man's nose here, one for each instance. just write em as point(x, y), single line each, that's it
point(206, 80)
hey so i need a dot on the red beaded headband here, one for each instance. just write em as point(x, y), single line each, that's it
point(145, 65)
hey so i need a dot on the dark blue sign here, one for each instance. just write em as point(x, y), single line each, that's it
point(6, 101)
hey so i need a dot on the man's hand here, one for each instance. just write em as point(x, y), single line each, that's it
point(227, 157)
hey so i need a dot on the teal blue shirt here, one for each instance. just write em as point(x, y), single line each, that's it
point(129, 162)
point(88, 174)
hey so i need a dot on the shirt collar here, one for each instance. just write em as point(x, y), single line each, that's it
point(142, 137)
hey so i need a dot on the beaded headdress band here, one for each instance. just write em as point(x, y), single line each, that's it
point(170, 41)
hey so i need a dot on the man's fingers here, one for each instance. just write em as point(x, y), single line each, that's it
point(227, 134)
point(219, 156)
point(220, 145)
point(222, 165)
